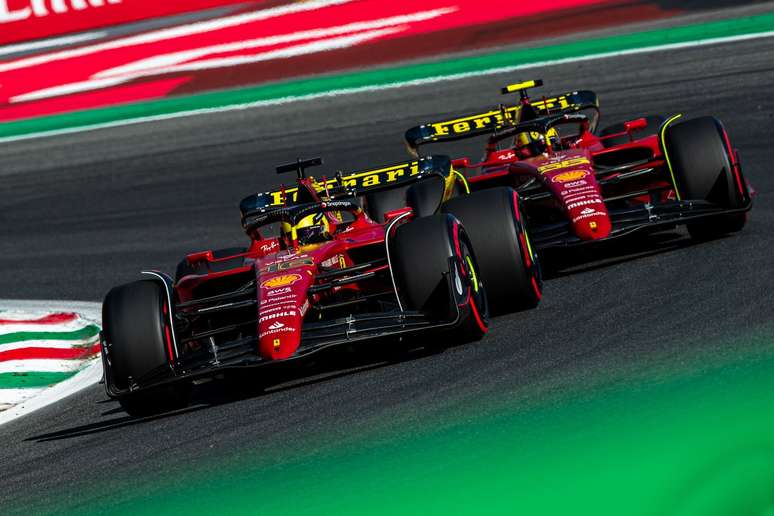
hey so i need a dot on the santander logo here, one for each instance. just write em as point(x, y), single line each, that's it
point(18, 11)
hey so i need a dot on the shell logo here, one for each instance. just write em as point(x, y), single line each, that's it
point(572, 175)
point(281, 281)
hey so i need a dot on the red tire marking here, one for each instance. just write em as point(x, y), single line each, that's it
point(479, 321)
point(734, 164)
point(537, 289)
point(168, 334)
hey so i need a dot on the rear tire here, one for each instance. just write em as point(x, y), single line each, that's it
point(654, 123)
point(134, 324)
point(703, 170)
point(420, 253)
point(510, 270)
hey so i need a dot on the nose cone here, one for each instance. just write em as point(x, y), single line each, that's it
point(279, 334)
point(578, 191)
point(280, 314)
point(593, 224)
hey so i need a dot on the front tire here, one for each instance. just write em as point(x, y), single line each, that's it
point(134, 318)
point(421, 253)
point(703, 169)
point(509, 268)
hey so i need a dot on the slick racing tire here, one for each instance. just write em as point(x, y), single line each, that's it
point(509, 268)
point(186, 269)
point(420, 256)
point(654, 123)
point(703, 169)
point(135, 323)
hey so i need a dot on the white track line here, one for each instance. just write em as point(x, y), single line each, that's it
point(173, 32)
point(395, 85)
point(48, 43)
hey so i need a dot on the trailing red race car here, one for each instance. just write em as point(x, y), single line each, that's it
point(326, 265)
point(580, 186)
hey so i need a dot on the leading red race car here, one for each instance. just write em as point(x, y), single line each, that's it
point(579, 186)
point(320, 271)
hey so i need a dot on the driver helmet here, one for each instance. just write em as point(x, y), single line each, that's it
point(309, 230)
point(531, 144)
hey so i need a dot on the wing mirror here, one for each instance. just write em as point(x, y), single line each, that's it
point(635, 125)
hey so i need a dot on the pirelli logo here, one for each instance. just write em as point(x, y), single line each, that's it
point(491, 119)
point(558, 103)
point(494, 119)
point(358, 181)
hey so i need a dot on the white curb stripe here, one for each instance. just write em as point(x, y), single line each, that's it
point(41, 365)
point(86, 378)
point(16, 402)
point(50, 344)
point(16, 396)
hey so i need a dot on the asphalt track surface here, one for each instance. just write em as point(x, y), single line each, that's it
point(81, 213)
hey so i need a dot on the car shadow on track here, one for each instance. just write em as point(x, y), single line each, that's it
point(333, 365)
point(558, 263)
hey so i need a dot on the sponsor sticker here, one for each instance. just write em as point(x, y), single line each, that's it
point(283, 266)
point(571, 175)
point(283, 329)
point(268, 248)
point(276, 315)
point(588, 202)
point(278, 291)
point(335, 260)
point(586, 213)
point(574, 162)
point(572, 184)
point(280, 281)
point(281, 300)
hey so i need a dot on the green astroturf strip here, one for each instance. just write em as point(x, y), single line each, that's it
point(83, 333)
point(298, 88)
point(32, 379)
point(699, 443)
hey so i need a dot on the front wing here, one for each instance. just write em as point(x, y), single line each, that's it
point(645, 218)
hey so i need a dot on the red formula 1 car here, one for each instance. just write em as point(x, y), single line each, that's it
point(580, 186)
point(320, 271)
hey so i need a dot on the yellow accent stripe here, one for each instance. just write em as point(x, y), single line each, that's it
point(529, 244)
point(464, 180)
point(472, 273)
point(666, 155)
point(520, 86)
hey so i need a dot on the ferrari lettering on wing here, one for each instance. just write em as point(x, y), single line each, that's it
point(493, 119)
point(357, 180)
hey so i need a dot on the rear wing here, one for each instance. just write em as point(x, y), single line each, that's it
point(488, 122)
point(358, 183)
